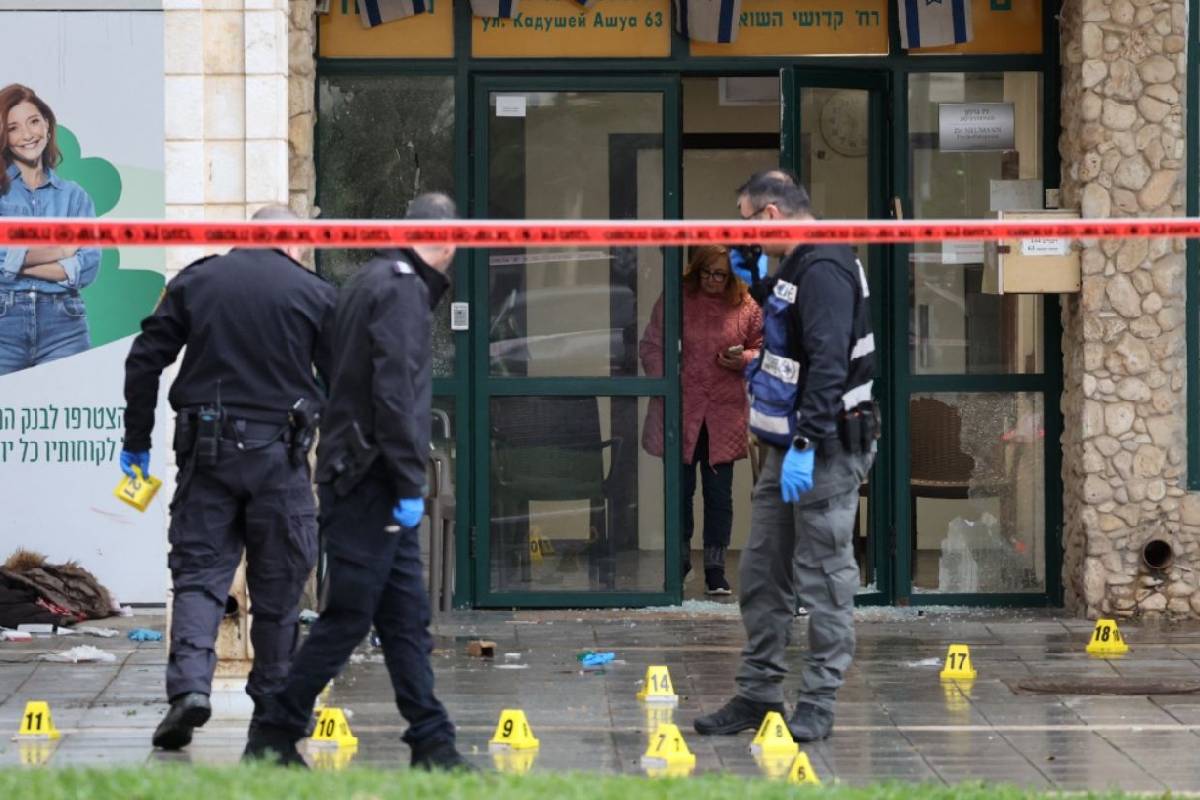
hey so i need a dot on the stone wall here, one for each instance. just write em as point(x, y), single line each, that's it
point(226, 110)
point(302, 116)
point(1122, 147)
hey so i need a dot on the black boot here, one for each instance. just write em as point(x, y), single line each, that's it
point(440, 754)
point(738, 715)
point(187, 712)
point(715, 582)
point(273, 745)
point(714, 572)
point(809, 723)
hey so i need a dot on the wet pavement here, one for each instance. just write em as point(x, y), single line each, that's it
point(895, 719)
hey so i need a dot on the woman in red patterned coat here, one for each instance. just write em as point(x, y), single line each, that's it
point(722, 333)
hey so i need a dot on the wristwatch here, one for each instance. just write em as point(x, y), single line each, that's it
point(801, 443)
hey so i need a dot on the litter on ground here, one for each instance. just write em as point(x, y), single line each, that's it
point(83, 653)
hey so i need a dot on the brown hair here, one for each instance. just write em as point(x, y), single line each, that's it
point(707, 256)
point(11, 96)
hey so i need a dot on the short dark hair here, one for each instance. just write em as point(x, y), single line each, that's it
point(431, 205)
point(779, 188)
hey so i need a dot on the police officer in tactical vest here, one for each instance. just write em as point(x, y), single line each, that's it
point(371, 473)
point(810, 400)
point(254, 322)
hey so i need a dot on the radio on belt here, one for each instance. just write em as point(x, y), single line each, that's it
point(1047, 265)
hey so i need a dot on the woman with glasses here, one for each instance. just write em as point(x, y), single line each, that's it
point(722, 333)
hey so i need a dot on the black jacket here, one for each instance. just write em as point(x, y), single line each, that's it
point(382, 383)
point(254, 323)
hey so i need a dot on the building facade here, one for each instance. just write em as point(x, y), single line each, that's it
point(1036, 445)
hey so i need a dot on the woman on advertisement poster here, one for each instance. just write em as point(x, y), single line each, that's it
point(42, 316)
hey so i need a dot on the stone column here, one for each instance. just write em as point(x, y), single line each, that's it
point(1122, 145)
point(226, 132)
point(226, 110)
point(302, 117)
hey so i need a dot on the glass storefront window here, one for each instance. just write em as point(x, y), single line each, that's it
point(382, 140)
point(977, 489)
point(573, 155)
point(576, 501)
point(954, 326)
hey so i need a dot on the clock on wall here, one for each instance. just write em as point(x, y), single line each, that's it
point(844, 123)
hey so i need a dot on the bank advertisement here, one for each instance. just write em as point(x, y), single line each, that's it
point(81, 94)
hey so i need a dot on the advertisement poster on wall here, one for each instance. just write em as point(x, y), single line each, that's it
point(67, 316)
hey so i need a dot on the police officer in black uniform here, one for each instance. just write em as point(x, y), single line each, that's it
point(811, 402)
point(254, 322)
point(371, 469)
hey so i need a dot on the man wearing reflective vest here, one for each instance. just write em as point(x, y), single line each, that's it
point(810, 400)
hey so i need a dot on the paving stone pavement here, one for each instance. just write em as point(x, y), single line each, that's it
point(895, 719)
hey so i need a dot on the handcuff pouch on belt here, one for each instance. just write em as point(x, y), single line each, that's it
point(859, 428)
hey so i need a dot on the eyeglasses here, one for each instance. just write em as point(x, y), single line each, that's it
point(709, 275)
point(756, 212)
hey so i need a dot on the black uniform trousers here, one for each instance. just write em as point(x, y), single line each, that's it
point(253, 499)
point(374, 576)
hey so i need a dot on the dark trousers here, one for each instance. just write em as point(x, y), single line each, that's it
point(717, 483)
point(375, 577)
point(253, 500)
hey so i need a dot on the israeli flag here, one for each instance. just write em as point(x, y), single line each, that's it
point(377, 12)
point(505, 9)
point(708, 20)
point(932, 23)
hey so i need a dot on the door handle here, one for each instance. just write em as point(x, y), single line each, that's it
point(897, 208)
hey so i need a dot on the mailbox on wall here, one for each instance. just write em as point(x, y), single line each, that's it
point(1032, 266)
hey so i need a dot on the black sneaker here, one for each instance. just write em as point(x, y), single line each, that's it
point(809, 723)
point(272, 745)
point(440, 755)
point(187, 712)
point(738, 715)
point(715, 583)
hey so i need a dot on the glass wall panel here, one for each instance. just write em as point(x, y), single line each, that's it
point(977, 489)
point(382, 140)
point(955, 327)
point(576, 502)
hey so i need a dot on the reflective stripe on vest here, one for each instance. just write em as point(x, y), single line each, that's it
point(858, 395)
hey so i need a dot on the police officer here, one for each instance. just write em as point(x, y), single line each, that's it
point(810, 401)
point(254, 323)
point(371, 474)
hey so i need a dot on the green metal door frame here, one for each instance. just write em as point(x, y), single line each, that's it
point(905, 384)
point(486, 386)
point(793, 80)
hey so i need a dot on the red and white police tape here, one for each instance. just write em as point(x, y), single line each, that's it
point(46, 232)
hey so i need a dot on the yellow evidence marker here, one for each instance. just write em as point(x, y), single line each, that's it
point(36, 722)
point(802, 771)
point(657, 687)
point(668, 749)
point(1107, 640)
point(773, 739)
point(958, 664)
point(332, 729)
point(139, 491)
point(513, 732)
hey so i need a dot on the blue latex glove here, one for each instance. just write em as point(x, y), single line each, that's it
point(593, 660)
point(140, 460)
point(741, 267)
point(408, 512)
point(144, 635)
point(797, 475)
